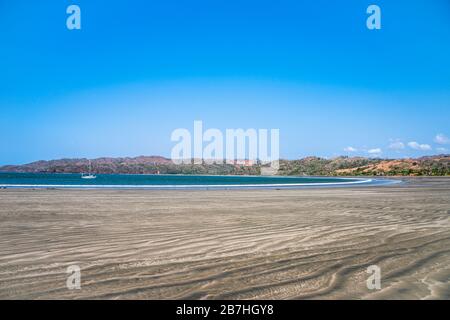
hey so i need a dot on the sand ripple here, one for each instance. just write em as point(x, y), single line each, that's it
point(261, 244)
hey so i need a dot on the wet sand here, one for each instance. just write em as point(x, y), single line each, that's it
point(240, 244)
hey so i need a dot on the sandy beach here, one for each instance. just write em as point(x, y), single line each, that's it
point(239, 244)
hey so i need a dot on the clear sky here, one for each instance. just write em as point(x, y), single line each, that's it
point(137, 70)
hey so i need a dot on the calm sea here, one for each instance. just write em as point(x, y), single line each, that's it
point(125, 180)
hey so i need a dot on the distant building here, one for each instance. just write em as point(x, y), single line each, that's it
point(244, 162)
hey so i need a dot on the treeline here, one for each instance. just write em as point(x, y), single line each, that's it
point(310, 166)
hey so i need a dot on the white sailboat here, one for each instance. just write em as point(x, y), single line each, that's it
point(89, 175)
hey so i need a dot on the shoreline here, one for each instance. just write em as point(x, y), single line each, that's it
point(359, 182)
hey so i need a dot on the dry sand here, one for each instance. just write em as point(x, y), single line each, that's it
point(267, 244)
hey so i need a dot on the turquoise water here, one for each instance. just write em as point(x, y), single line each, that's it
point(125, 180)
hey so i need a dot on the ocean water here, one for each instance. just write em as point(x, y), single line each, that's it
point(163, 181)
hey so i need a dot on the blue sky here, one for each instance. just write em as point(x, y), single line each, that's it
point(137, 70)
